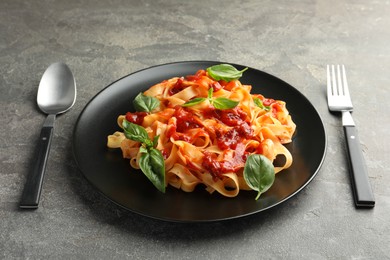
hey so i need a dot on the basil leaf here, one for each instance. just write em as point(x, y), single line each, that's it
point(153, 166)
point(210, 93)
point(224, 103)
point(155, 140)
point(151, 162)
point(135, 132)
point(259, 173)
point(142, 149)
point(224, 72)
point(260, 104)
point(193, 102)
point(144, 103)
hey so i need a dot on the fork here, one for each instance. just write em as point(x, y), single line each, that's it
point(339, 100)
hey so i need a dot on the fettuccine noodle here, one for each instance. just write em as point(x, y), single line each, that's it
point(204, 145)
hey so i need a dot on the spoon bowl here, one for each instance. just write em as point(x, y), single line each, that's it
point(57, 89)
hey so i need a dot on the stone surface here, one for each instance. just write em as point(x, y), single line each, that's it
point(102, 41)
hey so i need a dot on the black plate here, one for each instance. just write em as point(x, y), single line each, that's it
point(112, 175)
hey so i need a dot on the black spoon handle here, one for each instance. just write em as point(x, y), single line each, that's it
point(33, 186)
point(363, 195)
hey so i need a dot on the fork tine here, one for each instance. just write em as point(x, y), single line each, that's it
point(334, 83)
point(340, 85)
point(345, 84)
point(328, 80)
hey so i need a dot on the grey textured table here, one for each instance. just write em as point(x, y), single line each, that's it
point(102, 41)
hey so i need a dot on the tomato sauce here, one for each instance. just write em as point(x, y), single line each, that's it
point(268, 101)
point(235, 118)
point(232, 139)
point(197, 76)
point(276, 108)
point(136, 117)
point(234, 136)
point(218, 168)
point(185, 120)
point(179, 86)
point(230, 117)
point(216, 86)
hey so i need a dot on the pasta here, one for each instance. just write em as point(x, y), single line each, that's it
point(202, 144)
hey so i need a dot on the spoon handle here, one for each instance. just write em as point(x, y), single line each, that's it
point(33, 186)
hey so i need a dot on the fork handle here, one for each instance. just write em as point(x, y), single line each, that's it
point(363, 195)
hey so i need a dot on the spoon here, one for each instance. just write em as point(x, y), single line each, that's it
point(56, 94)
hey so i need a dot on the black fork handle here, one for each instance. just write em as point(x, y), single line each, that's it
point(363, 195)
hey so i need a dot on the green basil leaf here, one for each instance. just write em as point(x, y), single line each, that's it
point(193, 102)
point(151, 162)
point(225, 72)
point(135, 132)
point(144, 103)
point(210, 93)
point(148, 143)
point(260, 104)
point(259, 173)
point(224, 103)
point(153, 166)
point(143, 149)
point(155, 141)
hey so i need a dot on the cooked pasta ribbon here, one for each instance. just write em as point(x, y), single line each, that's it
point(204, 145)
